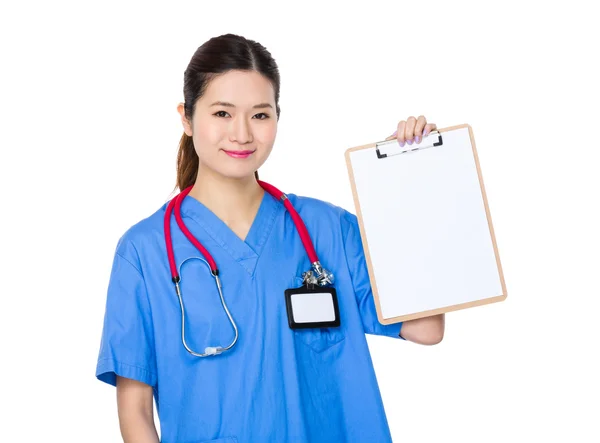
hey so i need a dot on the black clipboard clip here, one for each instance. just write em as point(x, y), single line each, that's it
point(388, 148)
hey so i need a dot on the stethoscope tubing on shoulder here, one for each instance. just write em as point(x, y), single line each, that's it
point(321, 276)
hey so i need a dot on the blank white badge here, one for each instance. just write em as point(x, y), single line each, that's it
point(315, 307)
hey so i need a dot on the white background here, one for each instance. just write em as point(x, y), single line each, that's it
point(89, 139)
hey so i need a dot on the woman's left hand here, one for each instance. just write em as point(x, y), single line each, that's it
point(412, 129)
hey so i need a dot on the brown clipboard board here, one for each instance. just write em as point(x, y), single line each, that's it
point(378, 148)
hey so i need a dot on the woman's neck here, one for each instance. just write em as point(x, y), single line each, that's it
point(234, 201)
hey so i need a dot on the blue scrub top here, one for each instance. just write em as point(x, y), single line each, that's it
point(276, 384)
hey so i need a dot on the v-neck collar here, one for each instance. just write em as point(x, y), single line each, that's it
point(245, 252)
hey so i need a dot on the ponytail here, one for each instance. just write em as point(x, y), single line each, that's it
point(188, 162)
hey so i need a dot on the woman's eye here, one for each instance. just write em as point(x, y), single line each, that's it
point(220, 114)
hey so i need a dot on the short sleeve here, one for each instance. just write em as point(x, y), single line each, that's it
point(360, 280)
point(127, 342)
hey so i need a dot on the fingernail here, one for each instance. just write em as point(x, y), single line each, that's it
point(395, 132)
point(401, 143)
point(409, 141)
point(418, 139)
point(425, 133)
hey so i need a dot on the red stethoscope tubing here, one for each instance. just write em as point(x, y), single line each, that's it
point(175, 206)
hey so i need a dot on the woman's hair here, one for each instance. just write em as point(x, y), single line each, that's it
point(217, 56)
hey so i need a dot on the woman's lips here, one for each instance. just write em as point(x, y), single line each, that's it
point(238, 154)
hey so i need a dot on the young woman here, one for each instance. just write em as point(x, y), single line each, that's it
point(220, 256)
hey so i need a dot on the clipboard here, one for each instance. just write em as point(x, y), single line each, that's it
point(425, 225)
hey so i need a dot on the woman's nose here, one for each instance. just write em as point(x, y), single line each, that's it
point(241, 131)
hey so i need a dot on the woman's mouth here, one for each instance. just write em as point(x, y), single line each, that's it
point(238, 154)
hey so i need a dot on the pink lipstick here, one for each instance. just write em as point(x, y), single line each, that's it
point(238, 154)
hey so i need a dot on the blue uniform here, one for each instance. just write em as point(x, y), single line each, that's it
point(276, 384)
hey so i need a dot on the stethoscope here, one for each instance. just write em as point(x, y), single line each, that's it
point(321, 276)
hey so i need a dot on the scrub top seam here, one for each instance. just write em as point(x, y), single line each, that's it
point(240, 259)
point(345, 248)
point(266, 233)
point(253, 253)
point(267, 230)
point(147, 295)
point(119, 361)
point(132, 265)
point(220, 242)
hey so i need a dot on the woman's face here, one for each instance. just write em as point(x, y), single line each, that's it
point(234, 124)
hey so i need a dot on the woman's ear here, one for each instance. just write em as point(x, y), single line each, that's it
point(187, 128)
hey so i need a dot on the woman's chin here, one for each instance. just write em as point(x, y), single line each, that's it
point(238, 173)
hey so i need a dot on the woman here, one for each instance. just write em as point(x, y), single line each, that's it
point(276, 384)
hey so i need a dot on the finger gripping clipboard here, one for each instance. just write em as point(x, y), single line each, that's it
point(425, 225)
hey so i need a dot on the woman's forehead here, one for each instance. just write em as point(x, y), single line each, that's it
point(240, 88)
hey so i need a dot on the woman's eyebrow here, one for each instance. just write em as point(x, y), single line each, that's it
point(231, 105)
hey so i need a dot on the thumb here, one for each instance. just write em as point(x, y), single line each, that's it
point(393, 135)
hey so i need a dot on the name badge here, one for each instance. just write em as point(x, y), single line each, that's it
point(312, 307)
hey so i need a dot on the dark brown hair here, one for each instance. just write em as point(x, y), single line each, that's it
point(217, 56)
